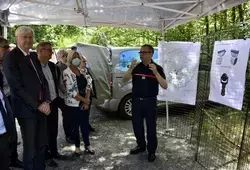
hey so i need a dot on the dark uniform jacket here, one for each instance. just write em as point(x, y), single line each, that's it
point(145, 84)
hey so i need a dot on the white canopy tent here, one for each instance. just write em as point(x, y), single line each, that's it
point(157, 15)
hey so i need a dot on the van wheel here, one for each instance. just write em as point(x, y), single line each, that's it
point(125, 108)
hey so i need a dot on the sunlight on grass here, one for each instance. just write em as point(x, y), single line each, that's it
point(120, 154)
point(69, 148)
point(130, 142)
point(130, 137)
point(102, 159)
point(95, 137)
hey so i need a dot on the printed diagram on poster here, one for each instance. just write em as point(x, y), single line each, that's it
point(180, 61)
point(228, 72)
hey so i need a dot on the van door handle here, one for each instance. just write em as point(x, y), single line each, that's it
point(119, 77)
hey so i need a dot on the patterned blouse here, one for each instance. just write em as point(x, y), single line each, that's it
point(69, 79)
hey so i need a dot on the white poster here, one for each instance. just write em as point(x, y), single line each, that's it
point(180, 61)
point(228, 72)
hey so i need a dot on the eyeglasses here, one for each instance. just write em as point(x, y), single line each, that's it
point(144, 52)
point(49, 50)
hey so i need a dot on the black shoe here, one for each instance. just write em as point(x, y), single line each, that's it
point(137, 150)
point(89, 151)
point(76, 154)
point(151, 157)
point(61, 157)
point(70, 140)
point(17, 164)
point(51, 163)
point(91, 129)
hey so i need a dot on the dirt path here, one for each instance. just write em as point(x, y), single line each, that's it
point(112, 142)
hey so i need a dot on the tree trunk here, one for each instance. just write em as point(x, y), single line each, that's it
point(233, 16)
point(215, 22)
point(241, 13)
point(225, 18)
point(241, 17)
point(207, 33)
point(233, 19)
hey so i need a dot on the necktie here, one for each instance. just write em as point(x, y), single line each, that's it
point(2, 109)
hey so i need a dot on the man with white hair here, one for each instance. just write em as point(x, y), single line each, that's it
point(30, 97)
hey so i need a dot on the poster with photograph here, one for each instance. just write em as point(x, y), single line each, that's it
point(180, 61)
point(228, 72)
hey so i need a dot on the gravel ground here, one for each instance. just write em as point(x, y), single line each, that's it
point(112, 141)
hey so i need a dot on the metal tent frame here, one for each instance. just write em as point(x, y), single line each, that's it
point(159, 15)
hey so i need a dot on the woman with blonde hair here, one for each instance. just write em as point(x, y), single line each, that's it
point(77, 99)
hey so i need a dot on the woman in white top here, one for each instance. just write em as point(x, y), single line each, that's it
point(77, 98)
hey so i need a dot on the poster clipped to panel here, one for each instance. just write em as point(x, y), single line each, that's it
point(228, 72)
point(180, 61)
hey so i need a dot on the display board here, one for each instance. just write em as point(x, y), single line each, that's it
point(180, 61)
point(228, 72)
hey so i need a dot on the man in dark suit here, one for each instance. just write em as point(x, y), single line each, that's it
point(7, 131)
point(4, 49)
point(52, 74)
point(30, 97)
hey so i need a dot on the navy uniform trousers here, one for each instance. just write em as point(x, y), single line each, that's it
point(145, 108)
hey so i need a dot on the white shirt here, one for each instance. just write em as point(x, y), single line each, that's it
point(49, 77)
point(24, 53)
point(2, 126)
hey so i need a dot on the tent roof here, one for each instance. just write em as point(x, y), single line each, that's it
point(147, 14)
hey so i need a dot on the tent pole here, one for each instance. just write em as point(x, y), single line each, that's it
point(5, 31)
point(163, 30)
point(163, 34)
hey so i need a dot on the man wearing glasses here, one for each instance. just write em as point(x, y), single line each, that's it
point(146, 76)
point(52, 75)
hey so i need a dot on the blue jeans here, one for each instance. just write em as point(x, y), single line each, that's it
point(80, 119)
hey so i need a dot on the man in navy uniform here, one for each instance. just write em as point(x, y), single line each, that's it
point(146, 76)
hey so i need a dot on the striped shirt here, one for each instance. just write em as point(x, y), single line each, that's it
point(2, 126)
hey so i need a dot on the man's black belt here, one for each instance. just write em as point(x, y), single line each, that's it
point(145, 98)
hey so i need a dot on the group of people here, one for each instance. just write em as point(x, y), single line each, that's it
point(32, 89)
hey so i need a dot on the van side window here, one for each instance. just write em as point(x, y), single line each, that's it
point(126, 57)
